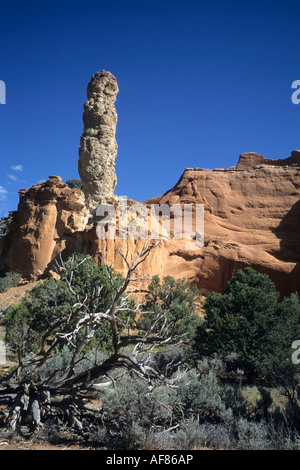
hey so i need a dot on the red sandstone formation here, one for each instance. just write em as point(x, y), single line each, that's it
point(48, 216)
point(252, 218)
point(254, 160)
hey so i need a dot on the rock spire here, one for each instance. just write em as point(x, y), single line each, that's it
point(98, 146)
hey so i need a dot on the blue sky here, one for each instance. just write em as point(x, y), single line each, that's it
point(200, 83)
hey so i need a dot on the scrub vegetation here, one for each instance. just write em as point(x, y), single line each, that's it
point(93, 366)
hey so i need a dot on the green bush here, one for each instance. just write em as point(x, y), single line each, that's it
point(192, 436)
point(174, 301)
point(132, 413)
point(248, 321)
point(61, 359)
point(252, 435)
point(47, 303)
point(10, 279)
point(5, 223)
point(200, 397)
point(74, 183)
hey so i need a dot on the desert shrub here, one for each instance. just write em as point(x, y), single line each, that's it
point(249, 323)
point(5, 223)
point(27, 321)
point(51, 301)
point(190, 435)
point(62, 357)
point(10, 279)
point(132, 414)
point(173, 301)
point(162, 440)
point(74, 183)
point(200, 397)
point(252, 435)
point(234, 399)
point(18, 336)
point(282, 433)
point(195, 436)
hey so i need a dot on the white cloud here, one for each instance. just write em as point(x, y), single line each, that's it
point(17, 167)
point(12, 177)
point(3, 193)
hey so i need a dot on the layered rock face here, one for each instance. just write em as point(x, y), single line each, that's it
point(254, 160)
point(252, 218)
point(49, 220)
point(98, 146)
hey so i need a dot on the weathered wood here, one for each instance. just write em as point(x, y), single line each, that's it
point(61, 393)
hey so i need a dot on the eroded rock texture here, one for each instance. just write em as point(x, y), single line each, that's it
point(254, 160)
point(251, 218)
point(49, 220)
point(98, 146)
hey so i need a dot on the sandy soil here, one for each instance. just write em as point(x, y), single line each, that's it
point(29, 445)
point(15, 294)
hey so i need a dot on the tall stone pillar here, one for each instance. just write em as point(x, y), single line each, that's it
point(98, 146)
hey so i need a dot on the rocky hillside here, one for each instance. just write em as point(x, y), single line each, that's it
point(252, 218)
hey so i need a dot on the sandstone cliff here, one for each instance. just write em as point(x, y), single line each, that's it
point(252, 218)
point(254, 160)
point(48, 216)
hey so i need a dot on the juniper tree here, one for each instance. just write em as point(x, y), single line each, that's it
point(73, 316)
